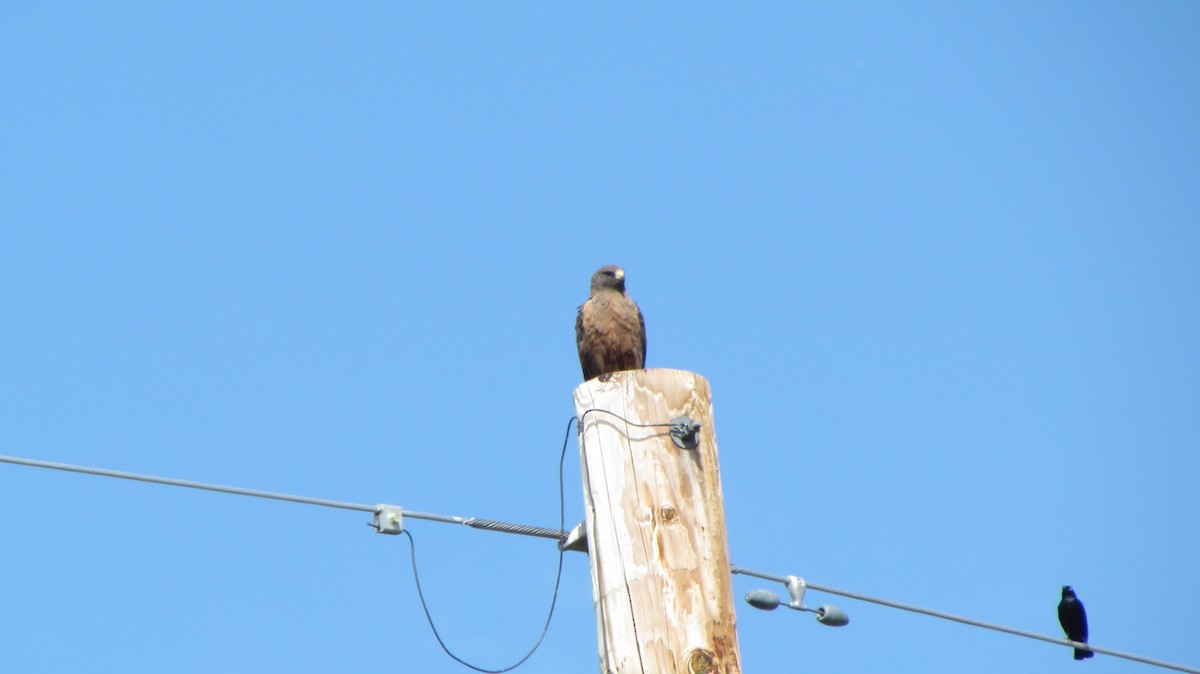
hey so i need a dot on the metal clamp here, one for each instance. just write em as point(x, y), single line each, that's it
point(685, 432)
point(389, 519)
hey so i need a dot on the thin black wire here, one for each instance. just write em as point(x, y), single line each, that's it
point(562, 520)
point(597, 409)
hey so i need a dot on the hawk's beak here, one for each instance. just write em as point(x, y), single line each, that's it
point(620, 274)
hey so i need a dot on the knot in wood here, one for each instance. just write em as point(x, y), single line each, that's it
point(667, 514)
point(701, 661)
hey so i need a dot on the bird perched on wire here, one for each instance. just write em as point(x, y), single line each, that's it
point(1073, 619)
point(609, 329)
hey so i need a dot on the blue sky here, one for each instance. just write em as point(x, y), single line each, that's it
point(937, 260)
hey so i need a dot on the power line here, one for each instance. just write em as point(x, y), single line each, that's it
point(561, 535)
point(968, 621)
point(473, 522)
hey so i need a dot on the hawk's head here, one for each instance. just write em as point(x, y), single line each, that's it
point(609, 277)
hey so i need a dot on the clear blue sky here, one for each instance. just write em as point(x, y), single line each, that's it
point(939, 261)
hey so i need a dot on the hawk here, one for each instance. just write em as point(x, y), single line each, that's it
point(1073, 619)
point(609, 329)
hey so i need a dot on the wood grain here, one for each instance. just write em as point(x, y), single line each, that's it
point(656, 526)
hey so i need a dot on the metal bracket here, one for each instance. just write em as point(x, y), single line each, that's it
point(389, 519)
point(684, 432)
point(576, 540)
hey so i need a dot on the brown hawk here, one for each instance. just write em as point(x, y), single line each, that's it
point(609, 329)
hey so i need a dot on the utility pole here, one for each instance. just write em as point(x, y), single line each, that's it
point(656, 525)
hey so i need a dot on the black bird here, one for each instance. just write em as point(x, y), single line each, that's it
point(1073, 619)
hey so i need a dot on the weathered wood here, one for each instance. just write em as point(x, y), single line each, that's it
point(655, 527)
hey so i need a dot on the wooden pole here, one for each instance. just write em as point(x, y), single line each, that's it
point(655, 527)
